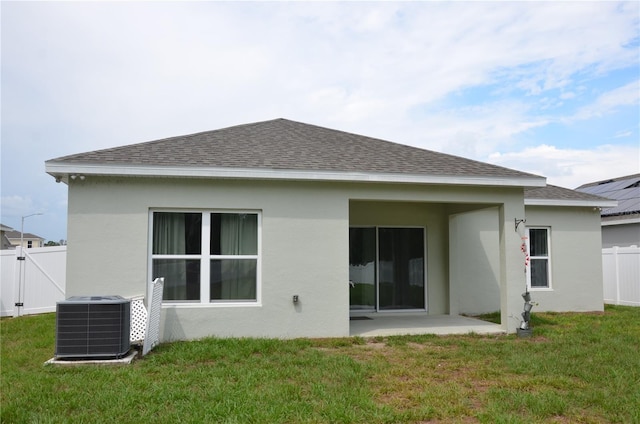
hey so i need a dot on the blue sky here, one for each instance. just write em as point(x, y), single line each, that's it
point(550, 88)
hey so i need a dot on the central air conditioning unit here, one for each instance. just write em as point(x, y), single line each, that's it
point(93, 327)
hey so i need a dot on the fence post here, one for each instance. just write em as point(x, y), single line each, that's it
point(616, 263)
point(18, 271)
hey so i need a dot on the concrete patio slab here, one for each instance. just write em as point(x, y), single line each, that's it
point(394, 324)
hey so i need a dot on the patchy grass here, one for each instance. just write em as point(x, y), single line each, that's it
point(576, 368)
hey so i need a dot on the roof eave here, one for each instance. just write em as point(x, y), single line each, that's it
point(621, 220)
point(62, 171)
point(572, 203)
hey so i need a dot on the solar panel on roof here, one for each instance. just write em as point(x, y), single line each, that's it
point(634, 185)
point(614, 194)
point(629, 193)
point(630, 205)
point(618, 185)
point(596, 189)
point(624, 206)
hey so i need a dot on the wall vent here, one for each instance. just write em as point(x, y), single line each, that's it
point(93, 327)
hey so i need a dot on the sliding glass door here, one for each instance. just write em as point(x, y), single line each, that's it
point(386, 268)
point(362, 269)
point(401, 268)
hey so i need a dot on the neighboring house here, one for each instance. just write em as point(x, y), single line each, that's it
point(5, 244)
point(11, 239)
point(284, 229)
point(620, 224)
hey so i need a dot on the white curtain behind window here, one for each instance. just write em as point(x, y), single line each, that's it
point(168, 233)
point(238, 236)
point(169, 239)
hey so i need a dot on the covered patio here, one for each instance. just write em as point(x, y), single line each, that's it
point(395, 324)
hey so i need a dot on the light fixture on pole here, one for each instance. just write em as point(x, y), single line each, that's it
point(22, 227)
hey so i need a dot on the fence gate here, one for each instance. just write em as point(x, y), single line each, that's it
point(32, 280)
point(621, 275)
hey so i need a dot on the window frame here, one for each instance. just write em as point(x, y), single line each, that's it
point(376, 307)
point(205, 257)
point(549, 286)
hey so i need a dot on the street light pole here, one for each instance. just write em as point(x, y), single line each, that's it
point(22, 258)
point(22, 227)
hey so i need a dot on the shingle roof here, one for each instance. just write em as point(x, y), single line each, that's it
point(282, 144)
point(626, 190)
point(551, 192)
point(16, 235)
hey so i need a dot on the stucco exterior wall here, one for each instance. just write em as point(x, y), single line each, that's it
point(475, 262)
point(304, 252)
point(576, 259)
point(304, 247)
point(622, 235)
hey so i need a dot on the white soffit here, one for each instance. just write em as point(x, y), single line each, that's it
point(62, 170)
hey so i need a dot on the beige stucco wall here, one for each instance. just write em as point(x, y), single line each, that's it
point(304, 252)
point(475, 262)
point(304, 246)
point(622, 235)
point(576, 259)
point(576, 265)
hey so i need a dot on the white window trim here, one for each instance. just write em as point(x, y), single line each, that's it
point(548, 258)
point(205, 261)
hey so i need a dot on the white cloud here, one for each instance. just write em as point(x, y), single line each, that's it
point(102, 74)
point(17, 206)
point(623, 133)
point(160, 63)
point(572, 167)
point(474, 131)
point(606, 103)
point(12, 208)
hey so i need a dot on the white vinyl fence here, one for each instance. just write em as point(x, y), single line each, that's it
point(621, 272)
point(32, 280)
point(36, 283)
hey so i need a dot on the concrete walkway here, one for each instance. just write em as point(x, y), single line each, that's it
point(382, 324)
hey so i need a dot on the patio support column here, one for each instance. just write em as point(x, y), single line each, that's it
point(512, 277)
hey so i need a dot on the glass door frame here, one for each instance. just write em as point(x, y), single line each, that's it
point(376, 308)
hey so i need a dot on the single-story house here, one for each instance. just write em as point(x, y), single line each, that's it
point(620, 224)
point(285, 229)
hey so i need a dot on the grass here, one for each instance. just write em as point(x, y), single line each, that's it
point(576, 368)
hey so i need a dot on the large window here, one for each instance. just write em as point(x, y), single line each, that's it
point(539, 270)
point(206, 257)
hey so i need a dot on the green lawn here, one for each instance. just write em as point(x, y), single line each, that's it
point(576, 368)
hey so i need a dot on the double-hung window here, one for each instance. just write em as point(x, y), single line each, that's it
point(206, 257)
point(539, 270)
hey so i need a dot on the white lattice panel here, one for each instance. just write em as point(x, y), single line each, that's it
point(153, 320)
point(138, 319)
